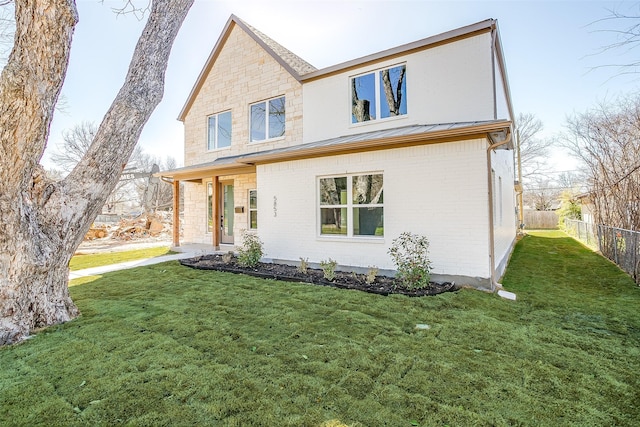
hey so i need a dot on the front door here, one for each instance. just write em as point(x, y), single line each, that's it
point(226, 212)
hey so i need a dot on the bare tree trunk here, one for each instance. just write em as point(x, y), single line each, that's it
point(43, 222)
point(393, 101)
point(359, 107)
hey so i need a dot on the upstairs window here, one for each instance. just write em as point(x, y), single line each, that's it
point(219, 131)
point(267, 119)
point(379, 95)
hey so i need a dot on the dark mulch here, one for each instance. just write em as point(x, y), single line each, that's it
point(382, 285)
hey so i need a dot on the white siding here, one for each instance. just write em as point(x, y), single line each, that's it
point(506, 221)
point(449, 83)
point(502, 103)
point(437, 190)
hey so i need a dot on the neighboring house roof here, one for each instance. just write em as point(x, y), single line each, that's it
point(375, 140)
point(291, 62)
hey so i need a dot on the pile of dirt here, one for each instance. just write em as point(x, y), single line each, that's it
point(147, 225)
point(382, 285)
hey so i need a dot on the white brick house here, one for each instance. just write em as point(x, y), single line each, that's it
point(336, 163)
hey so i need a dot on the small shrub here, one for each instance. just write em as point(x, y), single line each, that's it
point(251, 250)
point(329, 269)
point(410, 254)
point(371, 275)
point(228, 257)
point(304, 265)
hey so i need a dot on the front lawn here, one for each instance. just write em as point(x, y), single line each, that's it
point(168, 345)
point(81, 261)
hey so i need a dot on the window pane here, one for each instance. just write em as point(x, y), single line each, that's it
point(253, 199)
point(209, 207)
point(253, 219)
point(258, 122)
point(393, 92)
point(367, 189)
point(276, 117)
point(333, 221)
point(224, 129)
point(363, 98)
point(211, 133)
point(333, 191)
point(368, 221)
point(253, 209)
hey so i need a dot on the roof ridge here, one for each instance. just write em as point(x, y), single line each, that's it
point(297, 64)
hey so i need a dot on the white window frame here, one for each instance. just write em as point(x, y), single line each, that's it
point(250, 209)
point(378, 98)
point(215, 135)
point(350, 206)
point(209, 188)
point(266, 122)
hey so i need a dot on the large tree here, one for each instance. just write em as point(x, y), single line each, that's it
point(42, 222)
point(606, 140)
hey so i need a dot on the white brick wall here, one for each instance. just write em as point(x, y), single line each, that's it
point(437, 190)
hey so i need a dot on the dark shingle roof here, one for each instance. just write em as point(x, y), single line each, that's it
point(297, 64)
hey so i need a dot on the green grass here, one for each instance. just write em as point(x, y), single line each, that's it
point(82, 261)
point(168, 345)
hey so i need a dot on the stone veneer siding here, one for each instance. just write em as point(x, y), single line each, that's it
point(195, 208)
point(243, 73)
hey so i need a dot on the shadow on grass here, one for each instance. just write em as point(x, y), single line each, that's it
point(168, 345)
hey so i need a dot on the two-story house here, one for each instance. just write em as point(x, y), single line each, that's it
point(337, 162)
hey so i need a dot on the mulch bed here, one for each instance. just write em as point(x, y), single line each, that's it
point(382, 285)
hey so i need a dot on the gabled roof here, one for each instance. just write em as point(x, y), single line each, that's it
point(291, 62)
point(302, 71)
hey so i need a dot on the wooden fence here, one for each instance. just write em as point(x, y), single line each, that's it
point(540, 219)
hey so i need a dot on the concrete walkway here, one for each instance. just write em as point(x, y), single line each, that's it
point(130, 264)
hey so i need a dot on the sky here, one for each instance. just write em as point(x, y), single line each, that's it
point(553, 52)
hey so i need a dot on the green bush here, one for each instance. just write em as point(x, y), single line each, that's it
point(304, 265)
point(371, 275)
point(410, 254)
point(569, 209)
point(329, 269)
point(251, 250)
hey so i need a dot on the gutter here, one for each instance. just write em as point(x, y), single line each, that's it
point(492, 252)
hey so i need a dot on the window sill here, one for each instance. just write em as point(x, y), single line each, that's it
point(378, 121)
point(280, 138)
point(213, 150)
point(351, 239)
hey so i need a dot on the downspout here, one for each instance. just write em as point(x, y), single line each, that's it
point(492, 252)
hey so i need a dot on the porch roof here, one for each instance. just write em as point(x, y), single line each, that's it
point(367, 141)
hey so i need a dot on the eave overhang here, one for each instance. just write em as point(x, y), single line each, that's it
point(369, 141)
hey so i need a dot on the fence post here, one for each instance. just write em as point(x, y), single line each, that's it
point(600, 239)
point(635, 256)
point(615, 245)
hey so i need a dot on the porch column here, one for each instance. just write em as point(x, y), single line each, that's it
point(215, 208)
point(176, 213)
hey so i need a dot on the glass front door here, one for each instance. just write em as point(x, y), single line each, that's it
point(226, 219)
